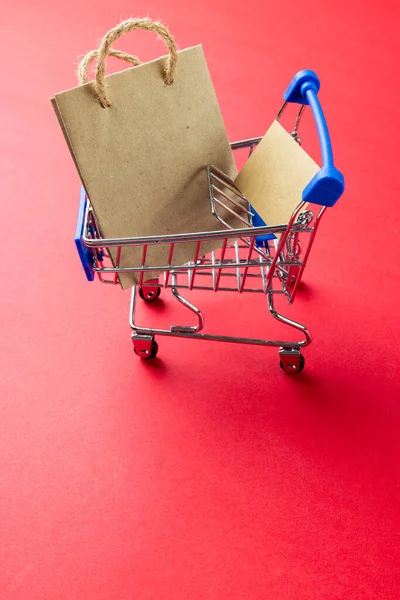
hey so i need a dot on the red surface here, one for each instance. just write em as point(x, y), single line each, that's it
point(208, 474)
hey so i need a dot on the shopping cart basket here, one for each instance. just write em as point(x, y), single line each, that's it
point(253, 256)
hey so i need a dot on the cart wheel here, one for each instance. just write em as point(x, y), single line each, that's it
point(149, 293)
point(294, 368)
point(147, 354)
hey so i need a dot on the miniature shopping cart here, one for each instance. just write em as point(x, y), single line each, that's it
point(252, 257)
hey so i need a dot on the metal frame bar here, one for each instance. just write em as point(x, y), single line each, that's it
point(192, 332)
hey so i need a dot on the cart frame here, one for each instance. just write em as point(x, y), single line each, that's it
point(253, 257)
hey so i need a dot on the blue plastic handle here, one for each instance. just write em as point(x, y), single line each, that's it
point(85, 253)
point(327, 185)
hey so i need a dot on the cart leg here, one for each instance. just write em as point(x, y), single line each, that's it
point(292, 361)
point(144, 346)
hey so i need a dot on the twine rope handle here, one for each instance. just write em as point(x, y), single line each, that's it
point(125, 27)
point(86, 61)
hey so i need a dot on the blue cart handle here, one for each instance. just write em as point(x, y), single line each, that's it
point(85, 253)
point(327, 185)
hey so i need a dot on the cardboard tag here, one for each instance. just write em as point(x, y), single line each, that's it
point(275, 175)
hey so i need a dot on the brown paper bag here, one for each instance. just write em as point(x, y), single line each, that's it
point(275, 175)
point(141, 140)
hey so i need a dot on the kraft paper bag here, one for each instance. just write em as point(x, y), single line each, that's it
point(275, 175)
point(141, 140)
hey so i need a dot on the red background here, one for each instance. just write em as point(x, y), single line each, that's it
point(208, 474)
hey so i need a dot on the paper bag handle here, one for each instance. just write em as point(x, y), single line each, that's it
point(125, 27)
point(84, 65)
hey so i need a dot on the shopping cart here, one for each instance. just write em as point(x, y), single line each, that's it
point(252, 257)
